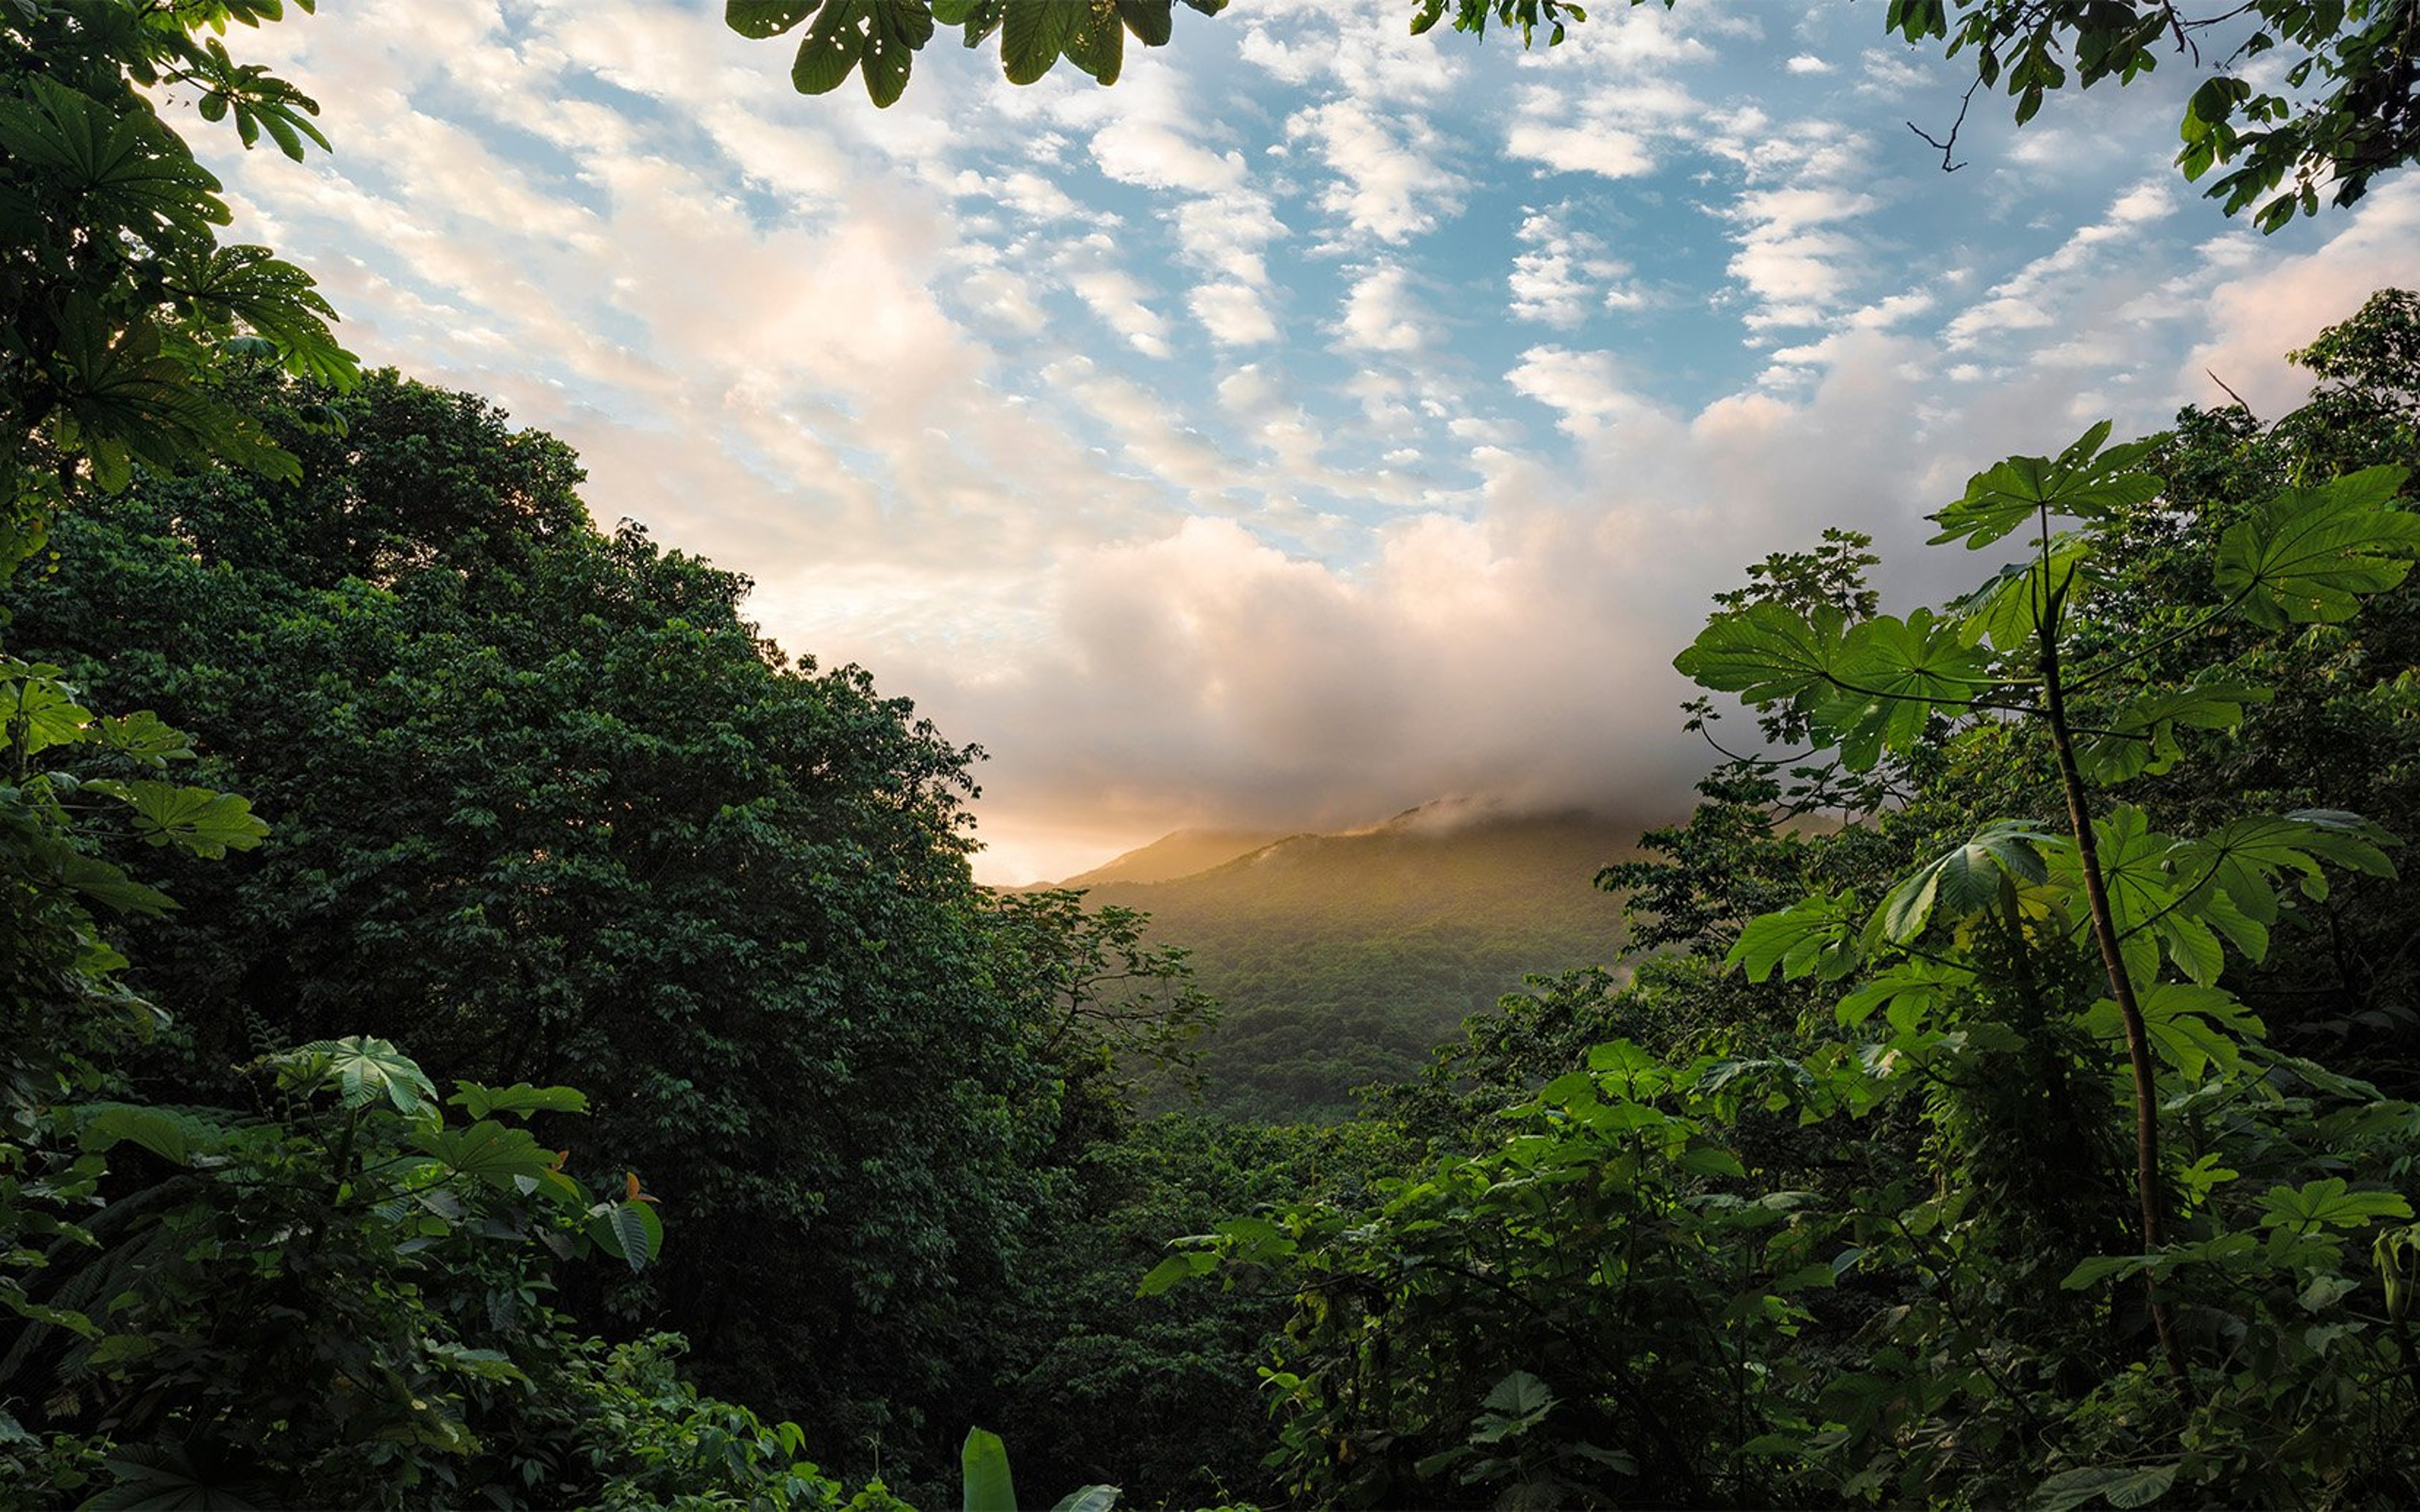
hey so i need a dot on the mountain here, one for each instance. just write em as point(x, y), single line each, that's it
point(1342, 959)
point(1178, 855)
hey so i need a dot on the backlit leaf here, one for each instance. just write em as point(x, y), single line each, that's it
point(2313, 553)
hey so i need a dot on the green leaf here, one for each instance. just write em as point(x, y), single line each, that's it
point(1183, 1266)
point(490, 1153)
point(105, 883)
point(2191, 1027)
point(1097, 46)
point(1909, 991)
point(1766, 653)
point(161, 1477)
point(1088, 1499)
point(1890, 677)
point(2141, 735)
point(2010, 609)
point(2082, 482)
point(2327, 1203)
point(365, 1069)
point(899, 29)
point(2121, 1486)
point(766, 18)
point(629, 1231)
point(982, 1461)
point(2313, 554)
point(520, 1098)
point(37, 713)
point(1967, 879)
point(828, 52)
point(1517, 1402)
point(1817, 935)
point(174, 1137)
point(1033, 33)
point(145, 738)
point(1151, 21)
point(200, 821)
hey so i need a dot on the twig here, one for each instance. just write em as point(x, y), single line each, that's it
point(1948, 146)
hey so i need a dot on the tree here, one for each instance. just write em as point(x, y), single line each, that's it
point(118, 302)
point(547, 808)
point(2348, 110)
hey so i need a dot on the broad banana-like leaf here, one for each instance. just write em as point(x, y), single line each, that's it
point(983, 1462)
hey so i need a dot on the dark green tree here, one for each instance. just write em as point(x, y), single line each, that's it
point(549, 808)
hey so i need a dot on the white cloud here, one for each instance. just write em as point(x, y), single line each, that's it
point(1382, 313)
point(1390, 183)
point(1561, 277)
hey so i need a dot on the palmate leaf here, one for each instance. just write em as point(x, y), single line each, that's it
point(1766, 653)
point(1889, 677)
point(2153, 902)
point(133, 397)
point(488, 1151)
point(2242, 863)
point(2081, 483)
point(2120, 1486)
point(168, 1133)
point(199, 821)
point(2006, 611)
point(1151, 21)
point(2141, 734)
point(766, 18)
point(1097, 45)
point(363, 1069)
point(128, 171)
point(36, 711)
point(2328, 1204)
point(891, 47)
point(2311, 554)
point(272, 297)
point(1817, 936)
point(2191, 1027)
point(105, 883)
point(828, 52)
point(520, 1098)
point(145, 738)
point(1906, 994)
point(1968, 878)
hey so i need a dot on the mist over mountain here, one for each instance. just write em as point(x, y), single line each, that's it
point(1342, 959)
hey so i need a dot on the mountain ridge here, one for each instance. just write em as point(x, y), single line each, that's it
point(1343, 959)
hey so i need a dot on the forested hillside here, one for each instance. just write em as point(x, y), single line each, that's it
point(1339, 960)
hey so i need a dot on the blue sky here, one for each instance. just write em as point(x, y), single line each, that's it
point(1319, 421)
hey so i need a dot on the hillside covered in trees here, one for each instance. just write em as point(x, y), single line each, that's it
point(482, 1026)
point(1340, 960)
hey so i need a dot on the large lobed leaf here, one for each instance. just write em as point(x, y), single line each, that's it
point(1890, 677)
point(1968, 878)
point(1766, 653)
point(2081, 483)
point(2312, 554)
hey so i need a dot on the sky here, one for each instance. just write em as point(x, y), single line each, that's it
point(1319, 421)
